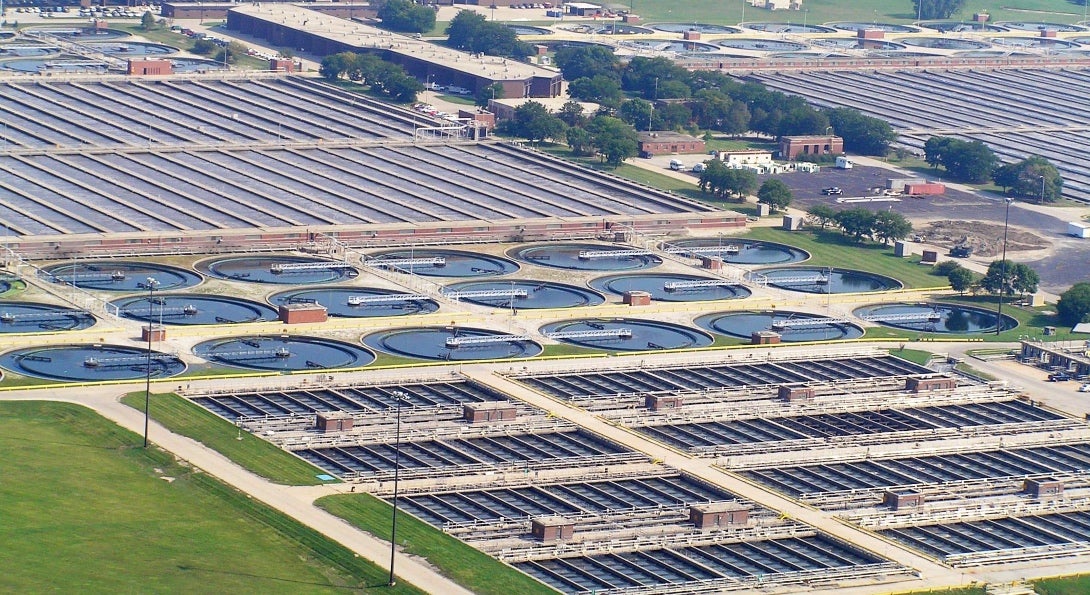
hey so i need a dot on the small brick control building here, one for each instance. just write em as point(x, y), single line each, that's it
point(334, 421)
point(666, 143)
point(1045, 488)
point(793, 146)
point(488, 411)
point(903, 500)
point(663, 402)
point(300, 313)
point(552, 528)
point(150, 67)
point(718, 515)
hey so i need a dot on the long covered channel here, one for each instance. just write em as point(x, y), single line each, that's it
point(799, 427)
point(688, 378)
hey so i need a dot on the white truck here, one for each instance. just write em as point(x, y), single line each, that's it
point(843, 162)
point(676, 165)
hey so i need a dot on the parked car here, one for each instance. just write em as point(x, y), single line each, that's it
point(1085, 388)
point(1059, 377)
point(831, 191)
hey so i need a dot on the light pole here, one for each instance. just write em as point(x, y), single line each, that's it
point(1003, 268)
point(399, 396)
point(151, 283)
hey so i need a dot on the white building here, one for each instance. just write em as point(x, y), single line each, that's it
point(738, 159)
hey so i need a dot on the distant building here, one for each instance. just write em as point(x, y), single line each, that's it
point(782, 4)
point(735, 159)
point(582, 9)
point(505, 108)
point(665, 142)
point(793, 146)
point(285, 25)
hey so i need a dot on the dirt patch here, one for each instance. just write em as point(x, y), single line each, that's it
point(986, 239)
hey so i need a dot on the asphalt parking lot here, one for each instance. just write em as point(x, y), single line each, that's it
point(1065, 265)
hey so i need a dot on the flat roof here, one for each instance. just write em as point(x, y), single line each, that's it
point(550, 103)
point(365, 36)
point(665, 135)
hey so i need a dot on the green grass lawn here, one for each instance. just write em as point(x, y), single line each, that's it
point(820, 11)
point(263, 458)
point(918, 356)
point(828, 248)
point(86, 509)
point(953, 591)
point(1069, 585)
point(467, 566)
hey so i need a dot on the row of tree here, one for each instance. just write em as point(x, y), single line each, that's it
point(404, 16)
point(469, 31)
point(974, 162)
point(610, 138)
point(384, 78)
point(860, 223)
point(708, 100)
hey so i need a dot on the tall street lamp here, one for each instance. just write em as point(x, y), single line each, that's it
point(1003, 268)
point(399, 396)
point(152, 284)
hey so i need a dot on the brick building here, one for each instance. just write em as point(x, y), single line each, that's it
point(793, 146)
point(661, 143)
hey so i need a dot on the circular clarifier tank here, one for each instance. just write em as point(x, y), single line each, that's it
point(362, 302)
point(81, 34)
point(764, 45)
point(851, 43)
point(442, 263)
point(739, 251)
point(186, 309)
point(960, 27)
point(1050, 43)
point(669, 287)
point(825, 280)
point(887, 27)
point(789, 28)
point(625, 334)
point(28, 317)
point(89, 363)
point(525, 294)
point(132, 48)
point(107, 275)
point(586, 257)
point(669, 45)
point(281, 270)
point(283, 353)
point(451, 343)
point(1031, 26)
point(791, 326)
point(935, 318)
point(27, 51)
point(698, 27)
point(945, 43)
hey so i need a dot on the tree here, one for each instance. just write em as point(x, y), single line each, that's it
point(571, 113)
point(774, 193)
point(205, 47)
point(580, 141)
point(486, 94)
point(725, 183)
point(231, 53)
point(406, 17)
point(147, 22)
point(640, 114)
point(652, 77)
point(599, 89)
point(588, 61)
point(470, 31)
point(960, 278)
point(937, 9)
point(614, 139)
point(964, 161)
point(1024, 179)
point(1074, 304)
point(889, 226)
point(822, 215)
point(857, 223)
point(862, 134)
point(534, 123)
point(1008, 278)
